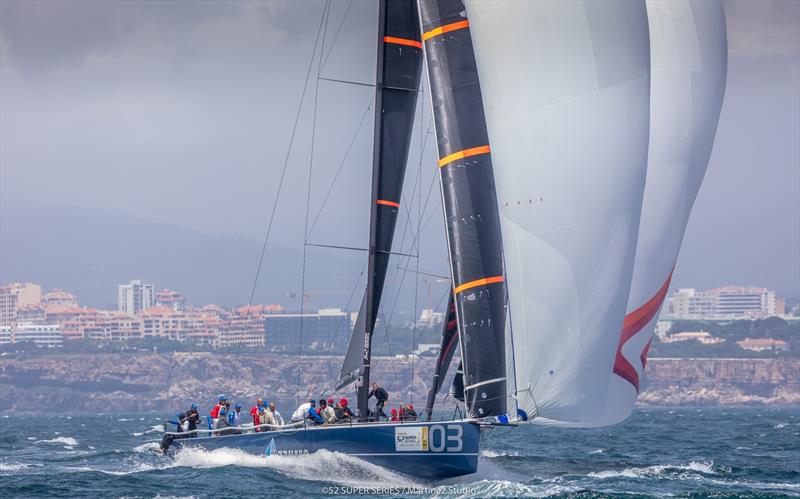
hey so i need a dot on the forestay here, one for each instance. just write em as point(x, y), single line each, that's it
point(566, 93)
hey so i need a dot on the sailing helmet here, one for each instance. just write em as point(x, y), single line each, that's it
point(237, 406)
point(343, 401)
point(261, 408)
point(194, 406)
point(222, 410)
point(312, 402)
point(222, 397)
point(330, 402)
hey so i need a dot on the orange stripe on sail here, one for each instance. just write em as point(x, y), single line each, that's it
point(632, 324)
point(478, 282)
point(466, 153)
point(445, 29)
point(388, 203)
point(402, 41)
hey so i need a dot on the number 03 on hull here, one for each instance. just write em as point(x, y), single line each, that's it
point(425, 450)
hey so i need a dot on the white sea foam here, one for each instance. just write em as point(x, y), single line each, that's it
point(493, 454)
point(122, 420)
point(58, 440)
point(322, 465)
point(705, 467)
point(68, 447)
point(780, 425)
point(505, 488)
point(146, 447)
point(13, 466)
point(596, 451)
point(31, 438)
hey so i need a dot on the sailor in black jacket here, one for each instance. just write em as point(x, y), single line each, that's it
point(381, 396)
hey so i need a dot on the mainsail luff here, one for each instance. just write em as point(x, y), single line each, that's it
point(446, 351)
point(470, 205)
point(399, 66)
point(566, 96)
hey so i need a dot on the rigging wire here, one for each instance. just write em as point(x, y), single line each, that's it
point(326, 16)
point(336, 36)
point(277, 197)
point(341, 165)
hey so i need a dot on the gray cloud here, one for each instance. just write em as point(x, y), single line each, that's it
point(180, 113)
point(764, 28)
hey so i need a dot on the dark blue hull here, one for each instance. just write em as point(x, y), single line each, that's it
point(429, 451)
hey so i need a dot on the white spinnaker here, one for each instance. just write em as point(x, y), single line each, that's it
point(566, 91)
point(688, 54)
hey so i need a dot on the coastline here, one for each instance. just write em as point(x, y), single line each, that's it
point(122, 382)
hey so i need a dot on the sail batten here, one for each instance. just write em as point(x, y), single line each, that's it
point(469, 202)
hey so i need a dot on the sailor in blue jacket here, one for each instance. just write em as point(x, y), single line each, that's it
point(313, 415)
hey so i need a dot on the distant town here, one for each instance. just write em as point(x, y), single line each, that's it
point(732, 319)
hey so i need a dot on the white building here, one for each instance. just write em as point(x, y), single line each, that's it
point(15, 295)
point(43, 335)
point(729, 301)
point(134, 297)
point(6, 336)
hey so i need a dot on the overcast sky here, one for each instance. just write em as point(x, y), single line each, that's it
point(180, 113)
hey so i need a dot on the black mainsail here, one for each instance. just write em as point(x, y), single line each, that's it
point(399, 69)
point(470, 204)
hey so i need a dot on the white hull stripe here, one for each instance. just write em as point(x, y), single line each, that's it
point(496, 380)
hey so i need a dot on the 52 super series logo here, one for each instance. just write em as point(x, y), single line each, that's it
point(437, 438)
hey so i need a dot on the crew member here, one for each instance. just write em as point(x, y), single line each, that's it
point(301, 412)
point(276, 415)
point(326, 412)
point(166, 440)
point(381, 396)
point(312, 415)
point(192, 418)
point(408, 413)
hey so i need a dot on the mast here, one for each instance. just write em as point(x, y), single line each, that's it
point(470, 205)
point(399, 65)
point(369, 298)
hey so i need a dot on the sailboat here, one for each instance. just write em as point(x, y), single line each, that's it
point(543, 120)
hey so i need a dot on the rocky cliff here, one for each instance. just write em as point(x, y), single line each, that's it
point(164, 382)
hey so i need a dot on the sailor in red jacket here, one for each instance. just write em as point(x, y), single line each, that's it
point(254, 410)
point(220, 404)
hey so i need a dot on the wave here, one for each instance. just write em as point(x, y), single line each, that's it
point(494, 454)
point(596, 451)
point(320, 466)
point(504, 488)
point(704, 467)
point(58, 440)
point(146, 447)
point(13, 466)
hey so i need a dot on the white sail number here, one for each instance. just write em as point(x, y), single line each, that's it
point(448, 439)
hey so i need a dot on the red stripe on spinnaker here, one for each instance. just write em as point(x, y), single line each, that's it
point(633, 323)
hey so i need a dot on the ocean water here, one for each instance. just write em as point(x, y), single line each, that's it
point(657, 452)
